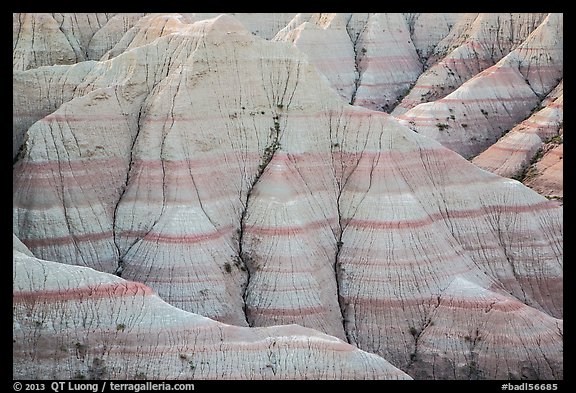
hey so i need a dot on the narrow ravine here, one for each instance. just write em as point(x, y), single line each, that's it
point(243, 257)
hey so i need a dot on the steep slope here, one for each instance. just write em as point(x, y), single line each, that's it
point(545, 176)
point(76, 323)
point(518, 148)
point(428, 29)
point(370, 59)
point(474, 116)
point(324, 38)
point(39, 92)
point(65, 38)
point(477, 42)
point(232, 179)
point(450, 50)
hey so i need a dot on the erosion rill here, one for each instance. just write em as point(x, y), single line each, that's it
point(266, 196)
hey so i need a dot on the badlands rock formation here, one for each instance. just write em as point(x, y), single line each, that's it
point(76, 323)
point(227, 174)
point(476, 42)
point(517, 153)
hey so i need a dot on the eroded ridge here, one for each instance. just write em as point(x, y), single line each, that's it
point(225, 173)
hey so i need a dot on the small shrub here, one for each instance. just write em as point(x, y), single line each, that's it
point(97, 371)
point(79, 375)
point(442, 126)
point(120, 327)
point(555, 139)
point(228, 267)
point(140, 376)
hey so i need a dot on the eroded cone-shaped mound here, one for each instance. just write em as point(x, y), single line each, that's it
point(77, 323)
point(546, 175)
point(469, 327)
point(289, 249)
point(482, 109)
point(520, 148)
point(235, 182)
point(65, 38)
point(476, 42)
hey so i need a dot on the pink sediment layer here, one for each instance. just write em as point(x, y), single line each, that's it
point(93, 292)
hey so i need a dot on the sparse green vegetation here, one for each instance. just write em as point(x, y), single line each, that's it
point(97, 370)
point(554, 197)
point(473, 370)
point(79, 375)
point(557, 139)
point(442, 126)
point(140, 376)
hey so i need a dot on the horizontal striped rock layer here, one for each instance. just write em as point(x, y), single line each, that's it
point(387, 60)
point(476, 43)
point(38, 96)
point(34, 47)
point(147, 29)
point(369, 59)
point(43, 90)
point(516, 150)
point(327, 43)
point(76, 323)
point(474, 116)
point(65, 38)
point(546, 175)
point(468, 327)
point(222, 171)
point(429, 29)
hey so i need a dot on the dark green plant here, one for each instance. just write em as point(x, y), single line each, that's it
point(442, 126)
